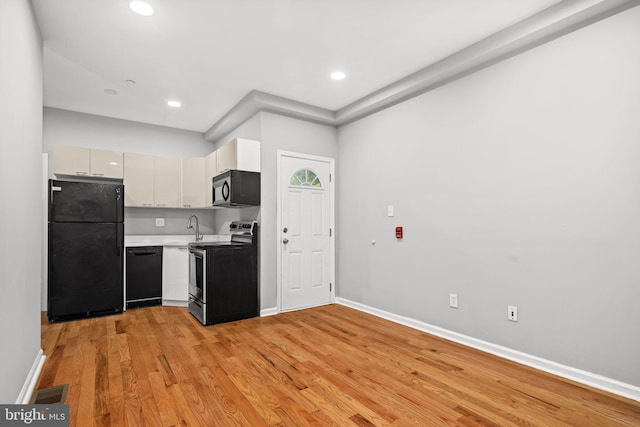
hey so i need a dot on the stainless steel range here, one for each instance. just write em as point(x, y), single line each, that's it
point(223, 276)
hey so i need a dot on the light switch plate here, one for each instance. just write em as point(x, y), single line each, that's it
point(453, 300)
point(390, 210)
point(159, 222)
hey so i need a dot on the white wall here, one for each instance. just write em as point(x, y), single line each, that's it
point(20, 210)
point(277, 133)
point(517, 185)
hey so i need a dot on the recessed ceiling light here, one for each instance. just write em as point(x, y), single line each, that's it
point(141, 8)
point(338, 75)
point(111, 91)
point(174, 104)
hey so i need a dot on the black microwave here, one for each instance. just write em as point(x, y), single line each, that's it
point(236, 188)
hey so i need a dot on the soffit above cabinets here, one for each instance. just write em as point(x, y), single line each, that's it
point(277, 54)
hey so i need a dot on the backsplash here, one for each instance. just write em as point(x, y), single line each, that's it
point(223, 217)
point(142, 221)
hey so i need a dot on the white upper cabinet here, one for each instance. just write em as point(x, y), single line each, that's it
point(105, 163)
point(239, 153)
point(210, 170)
point(153, 181)
point(69, 160)
point(193, 182)
point(167, 182)
point(138, 180)
point(80, 161)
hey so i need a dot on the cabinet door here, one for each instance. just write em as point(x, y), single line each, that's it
point(167, 182)
point(227, 156)
point(248, 155)
point(239, 153)
point(105, 163)
point(175, 274)
point(138, 179)
point(193, 184)
point(69, 160)
point(210, 170)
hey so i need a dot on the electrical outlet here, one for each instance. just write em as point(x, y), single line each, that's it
point(453, 300)
point(159, 222)
point(512, 313)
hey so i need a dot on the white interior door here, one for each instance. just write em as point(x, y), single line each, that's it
point(306, 236)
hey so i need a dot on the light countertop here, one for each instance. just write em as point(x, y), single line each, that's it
point(171, 240)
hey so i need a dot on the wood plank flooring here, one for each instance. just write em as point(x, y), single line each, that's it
point(326, 366)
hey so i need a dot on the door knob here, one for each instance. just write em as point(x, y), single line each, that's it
point(285, 240)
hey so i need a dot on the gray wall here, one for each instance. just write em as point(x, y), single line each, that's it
point(278, 133)
point(142, 221)
point(517, 185)
point(86, 130)
point(20, 210)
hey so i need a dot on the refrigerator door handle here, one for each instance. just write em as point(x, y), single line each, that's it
point(118, 248)
point(54, 188)
point(117, 205)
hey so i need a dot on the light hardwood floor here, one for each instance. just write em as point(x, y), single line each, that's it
point(326, 366)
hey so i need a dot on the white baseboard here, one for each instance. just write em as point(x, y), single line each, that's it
point(588, 378)
point(269, 311)
point(175, 303)
point(32, 379)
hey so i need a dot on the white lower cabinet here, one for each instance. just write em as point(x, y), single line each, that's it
point(175, 275)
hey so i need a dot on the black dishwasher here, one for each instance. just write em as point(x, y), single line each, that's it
point(144, 276)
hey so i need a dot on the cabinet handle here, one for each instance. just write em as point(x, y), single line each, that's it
point(161, 204)
point(186, 206)
point(81, 173)
point(98, 174)
point(147, 204)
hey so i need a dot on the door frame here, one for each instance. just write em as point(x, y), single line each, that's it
point(332, 220)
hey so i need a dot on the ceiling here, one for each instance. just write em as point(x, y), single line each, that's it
point(209, 54)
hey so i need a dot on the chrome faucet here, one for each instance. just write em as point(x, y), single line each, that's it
point(197, 229)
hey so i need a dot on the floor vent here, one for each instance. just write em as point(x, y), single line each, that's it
point(57, 394)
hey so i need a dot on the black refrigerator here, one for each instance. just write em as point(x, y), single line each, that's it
point(86, 241)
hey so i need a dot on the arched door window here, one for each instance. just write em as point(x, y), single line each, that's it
point(305, 178)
